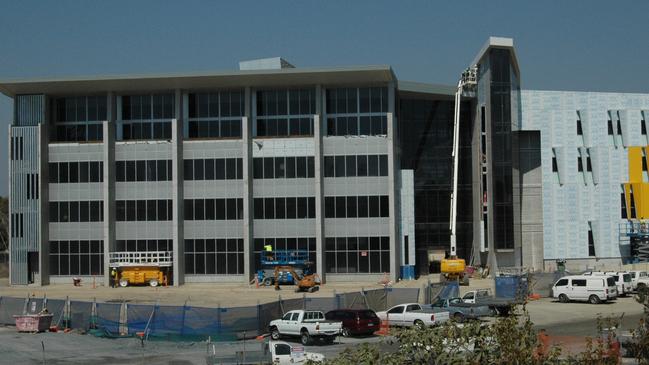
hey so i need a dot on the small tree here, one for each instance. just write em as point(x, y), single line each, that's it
point(638, 347)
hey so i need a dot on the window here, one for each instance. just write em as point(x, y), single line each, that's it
point(357, 111)
point(213, 169)
point(78, 119)
point(591, 241)
point(554, 164)
point(610, 127)
point(284, 113)
point(284, 208)
point(580, 132)
point(396, 310)
point(143, 210)
point(146, 116)
point(562, 282)
point(215, 114)
point(357, 254)
point(218, 256)
point(306, 244)
point(623, 205)
point(214, 209)
point(357, 206)
point(76, 211)
point(580, 166)
point(578, 282)
point(76, 257)
point(356, 165)
point(76, 172)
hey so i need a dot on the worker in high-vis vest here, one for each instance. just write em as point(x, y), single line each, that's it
point(269, 251)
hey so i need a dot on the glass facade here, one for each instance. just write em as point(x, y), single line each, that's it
point(501, 149)
point(426, 137)
point(78, 119)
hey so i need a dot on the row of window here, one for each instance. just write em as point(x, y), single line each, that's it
point(144, 245)
point(213, 209)
point(357, 126)
point(352, 165)
point(357, 100)
point(146, 130)
point(214, 128)
point(147, 107)
point(286, 102)
point(214, 256)
point(143, 170)
point(143, 210)
point(357, 254)
point(284, 208)
point(79, 211)
point(283, 167)
point(217, 104)
point(76, 172)
point(32, 186)
point(77, 133)
point(76, 257)
point(284, 127)
point(357, 206)
point(213, 169)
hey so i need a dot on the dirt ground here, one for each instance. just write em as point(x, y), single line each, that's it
point(204, 294)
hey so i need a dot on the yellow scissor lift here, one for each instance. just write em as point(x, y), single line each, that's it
point(137, 268)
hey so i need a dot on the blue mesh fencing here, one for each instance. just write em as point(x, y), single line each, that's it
point(10, 307)
point(56, 308)
point(108, 315)
point(80, 315)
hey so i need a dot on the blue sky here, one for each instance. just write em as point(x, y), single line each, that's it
point(564, 45)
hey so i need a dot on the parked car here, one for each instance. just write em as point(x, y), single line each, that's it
point(460, 311)
point(483, 296)
point(592, 288)
point(638, 277)
point(355, 321)
point(622, 280)
point(306, 325)
point(274, 352)
point(412, 314)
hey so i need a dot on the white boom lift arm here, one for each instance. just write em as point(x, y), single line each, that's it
point(468, 79)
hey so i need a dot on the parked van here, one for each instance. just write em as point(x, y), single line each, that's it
point(592, 288)
point(636, 277)
point(622, 280)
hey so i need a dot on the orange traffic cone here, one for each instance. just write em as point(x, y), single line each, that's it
point(384, 330)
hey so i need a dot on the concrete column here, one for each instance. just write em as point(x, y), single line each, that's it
point(246, 145)
point(43, 206)
point(108, 150)
point(395, 239)
point(319, 200)
point(177, 197)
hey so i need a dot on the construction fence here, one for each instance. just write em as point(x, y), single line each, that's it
point(189, 323)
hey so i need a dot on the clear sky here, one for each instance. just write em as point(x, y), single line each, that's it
point(591, 45)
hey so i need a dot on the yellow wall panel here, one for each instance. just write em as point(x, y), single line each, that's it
point(644, 201)
point(635, 165)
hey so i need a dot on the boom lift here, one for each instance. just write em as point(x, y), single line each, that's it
point(452, 268)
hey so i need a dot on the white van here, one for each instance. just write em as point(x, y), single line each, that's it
point(622, 280)
point(637, 276)
point(594, 289)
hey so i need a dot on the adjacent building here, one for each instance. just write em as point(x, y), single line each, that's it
point(350, 164)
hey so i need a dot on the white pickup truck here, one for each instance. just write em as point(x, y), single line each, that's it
point(305, 324)
point(412, 314)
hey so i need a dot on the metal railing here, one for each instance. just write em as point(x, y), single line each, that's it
point(145, 258)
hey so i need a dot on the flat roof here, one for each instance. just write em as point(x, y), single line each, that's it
point(426, 88)
point(498, 42)
point(231, 79)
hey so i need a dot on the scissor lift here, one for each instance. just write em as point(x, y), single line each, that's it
point(141, 267)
